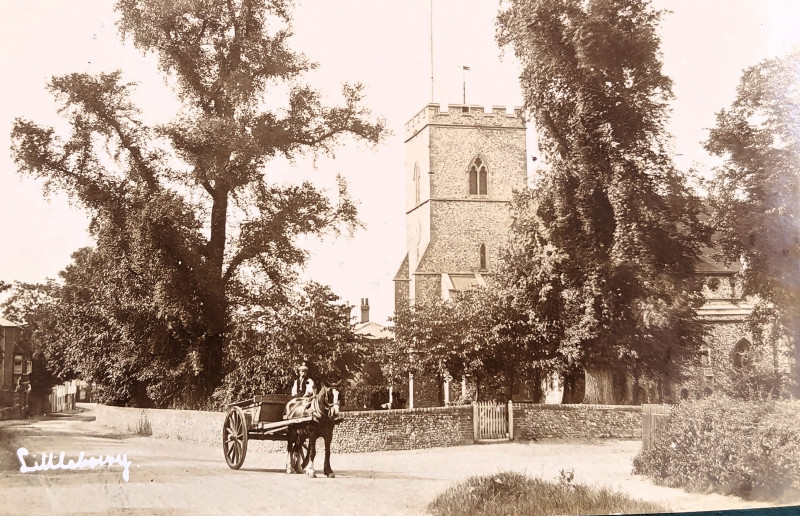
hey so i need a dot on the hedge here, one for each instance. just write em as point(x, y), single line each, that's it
point(744, 448)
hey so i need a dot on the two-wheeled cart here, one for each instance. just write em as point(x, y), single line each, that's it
point(261, 419)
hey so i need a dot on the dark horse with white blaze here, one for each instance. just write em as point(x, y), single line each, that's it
point(323, 408)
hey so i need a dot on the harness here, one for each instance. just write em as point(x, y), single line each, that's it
point(313, 407)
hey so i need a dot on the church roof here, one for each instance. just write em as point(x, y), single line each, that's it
point(402, 272)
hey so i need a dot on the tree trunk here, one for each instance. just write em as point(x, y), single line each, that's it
point(536, 387)
point(215, 309)
point(637, 391)
point(574, 387)
point(599, 386)
point(509, 386)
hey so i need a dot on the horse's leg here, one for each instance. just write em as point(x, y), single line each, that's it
point(303, 455)
point(328, 437)
point(290, 440)
point(312, 452)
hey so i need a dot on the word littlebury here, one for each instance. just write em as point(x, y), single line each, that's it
point(82, 462)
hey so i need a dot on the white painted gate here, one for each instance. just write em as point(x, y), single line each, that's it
point(493, 421)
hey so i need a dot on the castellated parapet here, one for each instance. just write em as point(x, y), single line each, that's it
point(465, 115)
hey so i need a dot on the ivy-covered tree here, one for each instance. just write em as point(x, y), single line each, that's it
point(186, 219)
point(755, 197)
point(610, 205)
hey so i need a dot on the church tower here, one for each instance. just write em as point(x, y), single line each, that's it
point(461, 167)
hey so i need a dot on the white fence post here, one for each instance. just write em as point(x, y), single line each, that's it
point(475, 431)
point(510, 420)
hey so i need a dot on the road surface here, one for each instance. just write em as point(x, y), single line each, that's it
point(175, 477)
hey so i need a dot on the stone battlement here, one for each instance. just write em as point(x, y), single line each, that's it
point(465, 115)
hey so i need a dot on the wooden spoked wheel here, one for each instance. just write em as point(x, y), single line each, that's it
point(234, 438)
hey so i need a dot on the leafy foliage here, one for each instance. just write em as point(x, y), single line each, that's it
point(313, 326)
point(728, 446)
point(485, 333)
point(508, 493)
point(429, 340)
point(189, 228)
point(755, 195)
point(29, 304)
point(608, 238)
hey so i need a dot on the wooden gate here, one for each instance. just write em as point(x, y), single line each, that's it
point(493, 421)
point(653, 419)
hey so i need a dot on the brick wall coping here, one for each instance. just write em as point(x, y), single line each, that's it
point(581, 406)
point(541, 406)
point(419, 410)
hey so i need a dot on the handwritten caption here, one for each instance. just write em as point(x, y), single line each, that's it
point(47, 462)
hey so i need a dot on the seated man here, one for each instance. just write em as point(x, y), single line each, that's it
point(303, 385)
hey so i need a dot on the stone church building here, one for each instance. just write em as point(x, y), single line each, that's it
point(462, 165)
point(461, 168)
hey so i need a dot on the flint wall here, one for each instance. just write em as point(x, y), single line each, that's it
point(402, 429)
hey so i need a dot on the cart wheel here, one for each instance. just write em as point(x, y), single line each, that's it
point(234, 438)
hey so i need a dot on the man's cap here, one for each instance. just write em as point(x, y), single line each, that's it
point(303, 367)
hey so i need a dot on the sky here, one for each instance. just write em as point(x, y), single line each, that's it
point(386, 46)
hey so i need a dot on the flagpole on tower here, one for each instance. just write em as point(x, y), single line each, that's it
point(464, 84)
point(431, 51)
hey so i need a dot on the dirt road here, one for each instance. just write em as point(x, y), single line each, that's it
point(173, 477)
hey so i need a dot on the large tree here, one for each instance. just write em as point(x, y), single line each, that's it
point(755, 195)
point(610, 203)
point(187, 208)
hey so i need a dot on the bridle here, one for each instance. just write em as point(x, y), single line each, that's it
point(329, 410)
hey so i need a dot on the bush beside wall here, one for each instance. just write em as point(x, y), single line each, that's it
point(749, 449)
point(538, 421)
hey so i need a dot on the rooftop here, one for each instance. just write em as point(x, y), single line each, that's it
point(7, 323)
point(372, 330)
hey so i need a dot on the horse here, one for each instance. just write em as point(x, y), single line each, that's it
point(323, 408)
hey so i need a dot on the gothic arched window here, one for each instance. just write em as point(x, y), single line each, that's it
point(741, 354)
point(478, 177)
point(482, 253)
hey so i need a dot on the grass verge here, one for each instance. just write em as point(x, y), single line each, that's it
point(509, 493)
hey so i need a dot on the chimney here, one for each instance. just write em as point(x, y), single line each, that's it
point(364, 310)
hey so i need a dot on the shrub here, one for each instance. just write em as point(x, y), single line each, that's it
point(513, 493)
point(727, 446)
